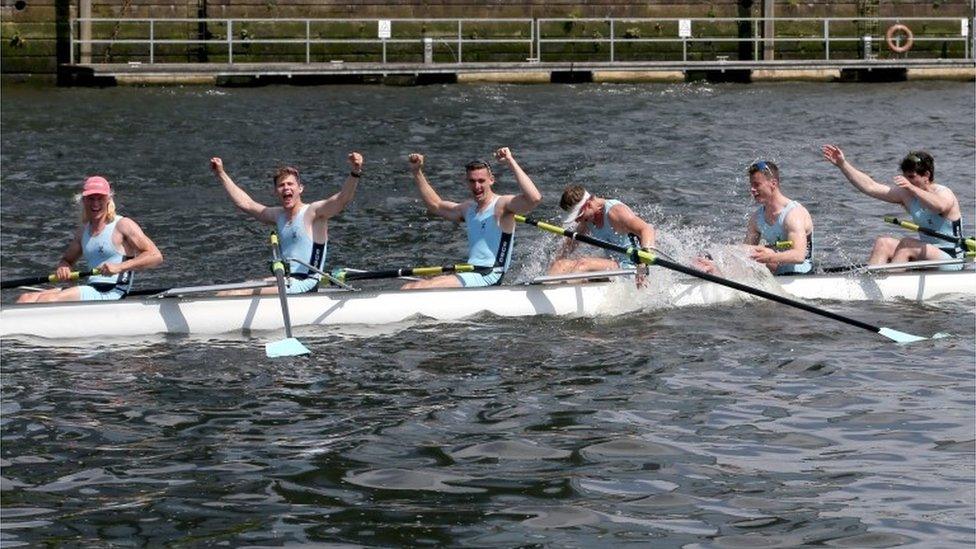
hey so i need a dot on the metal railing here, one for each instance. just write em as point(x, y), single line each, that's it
point(756, 24)
point(540, 37)
point(308, 40)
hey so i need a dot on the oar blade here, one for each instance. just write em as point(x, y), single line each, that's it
point(286, 347)
point(900, 337)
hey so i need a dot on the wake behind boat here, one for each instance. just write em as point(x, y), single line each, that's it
point(191, 312)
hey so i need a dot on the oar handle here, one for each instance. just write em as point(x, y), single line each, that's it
point(50, 279)
point(968, 243)
point(278, 267)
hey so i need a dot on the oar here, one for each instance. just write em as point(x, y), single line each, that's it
point(288, 346)
point(968, 243)
point(649, 258)
point(51, 278)
point(344, 275)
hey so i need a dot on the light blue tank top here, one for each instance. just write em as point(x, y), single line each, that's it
point(924, 217)
point(608, 234)
point(100, 249)
point(296, 242)
point(775, 232)
point(488, 246)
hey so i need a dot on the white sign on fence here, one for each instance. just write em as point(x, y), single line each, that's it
point(965, 27)
point(684, 28)
point(385, 29)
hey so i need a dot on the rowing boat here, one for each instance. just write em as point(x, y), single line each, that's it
point(207, 315)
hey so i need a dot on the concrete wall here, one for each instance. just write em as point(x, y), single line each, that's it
point(29, 30)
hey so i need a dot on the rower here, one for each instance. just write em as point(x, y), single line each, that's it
point(489, 217)
point(931, 206)
point(779, 233)
point(303, 229)
point(113, 244)
point(607, 219)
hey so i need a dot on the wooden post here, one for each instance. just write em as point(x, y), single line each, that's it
point(768, 31)
point(85, 12)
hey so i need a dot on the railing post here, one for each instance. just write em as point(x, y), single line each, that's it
point(827, 39)
point(684, 50)
point(538, 39)
point(532, 39)
point(152, 41)
point(71, 42)
point(230, 41)
point(308, 42)
point(84, 31)
point(611, 40)
point(460, 40)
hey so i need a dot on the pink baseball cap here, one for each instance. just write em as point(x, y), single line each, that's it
point(96, 184)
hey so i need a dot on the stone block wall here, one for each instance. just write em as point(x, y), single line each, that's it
point(29, 29)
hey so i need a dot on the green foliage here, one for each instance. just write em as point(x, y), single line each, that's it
point(633, 32)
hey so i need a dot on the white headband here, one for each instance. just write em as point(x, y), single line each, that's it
point(574, 213)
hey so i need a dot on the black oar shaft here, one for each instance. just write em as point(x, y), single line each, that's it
point(51, 278)
point(968, 243)
point(763, 293)
point(651, 259)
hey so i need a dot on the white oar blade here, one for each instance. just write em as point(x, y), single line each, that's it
point(286, 347)
point(900, 337)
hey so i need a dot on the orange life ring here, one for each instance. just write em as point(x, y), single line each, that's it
point(890, 38)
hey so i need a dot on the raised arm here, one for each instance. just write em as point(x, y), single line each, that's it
point(145, 253)
point(530, 197)
point(239, 197)
point(625, 221)
point(330, 207)
point(862, 181)
point(452, 211)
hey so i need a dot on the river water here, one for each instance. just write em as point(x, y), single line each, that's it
point(744, 425)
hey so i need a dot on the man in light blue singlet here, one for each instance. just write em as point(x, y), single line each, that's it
point(931, 206)
point(113, 244)
point(489, 218)
point(605, 219)
point(303, 229)
point(779, 233)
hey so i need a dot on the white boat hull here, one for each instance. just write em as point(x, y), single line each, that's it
point(220, 315)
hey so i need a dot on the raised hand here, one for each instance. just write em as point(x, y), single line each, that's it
point(504, 154)
point(834, 155)
point(416, 162)
point(217, 165)
point(356, 161)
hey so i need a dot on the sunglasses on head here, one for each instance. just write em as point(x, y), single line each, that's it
point(478, 165)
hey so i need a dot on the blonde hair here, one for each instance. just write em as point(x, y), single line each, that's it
point(109, 209)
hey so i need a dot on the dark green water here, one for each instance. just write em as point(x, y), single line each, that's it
point(741, 425)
